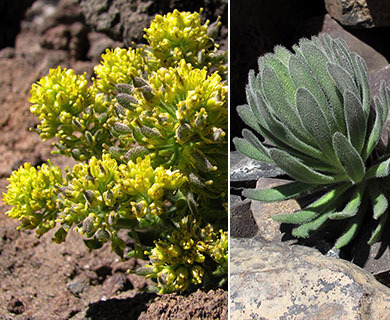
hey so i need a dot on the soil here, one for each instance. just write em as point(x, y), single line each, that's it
point(38, 278)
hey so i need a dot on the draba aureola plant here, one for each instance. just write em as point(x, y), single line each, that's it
point(313, 107)
point(149, 134)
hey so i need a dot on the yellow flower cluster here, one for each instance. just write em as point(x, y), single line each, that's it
point(101, 192)
point(183, 123)
point(119, 66)
point(150, 133)
point(32, 193)
point(180, 35)
point(57, 98)
point(176, 262)
point(198, 99)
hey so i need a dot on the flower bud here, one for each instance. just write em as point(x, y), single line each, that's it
point(88, 225)
point(139, 82)
point(76, 154)
point(126, 100)
point(90, 196)
point(102, 235)
point(121, 128)
point(218, 134)
point(201, 162)
point(76, 123)
point(124, 88)
point(150, 132)
point(147, 92)
point(89, 138)
point(183, 132)
point(135, 152)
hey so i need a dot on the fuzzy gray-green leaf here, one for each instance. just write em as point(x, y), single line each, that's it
point(297, 169)
point(376, 234)
point(320, 206)
point(303, 77)
point(286, 191)
point(318, 61)
point(247, 116)
point(376, 131)
point(352, 206)
point(378, 200)
point(314, 121)
point(352, 228)
point(355, 120)
point(304, 230)
point(342, 78)
point(379, 170)
point(247, 149)
point(255, 142)
point(348, 157)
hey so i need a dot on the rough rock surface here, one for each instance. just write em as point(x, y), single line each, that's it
point(244, 169)
point(276, 281)
point(360, 13)
point(242, 223)
point(263, 212)
point(125, 21)
point(211, 305)
point(374, 60)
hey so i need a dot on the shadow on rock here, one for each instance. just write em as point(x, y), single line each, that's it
point(119, 309)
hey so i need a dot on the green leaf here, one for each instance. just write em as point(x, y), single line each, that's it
point(314, 121)
point(247, 116)
point(304, 230)
point(247, 149)
point(303, 77)
point(349, 157)
point(326, 203)
point(362, 75)
point(93, 243)
point(318, 61)
point(352, 207)
point(283, 75)
point(252, 139)
point(297, 217)
point(342, 78)
point(352, 228)
point(379, 170)
point(286, 191)
point(355, 120)
point(377, 233)
point(297, 169)
point(283, 54)
point(281, 136)
point(379, 201)
point(280, 107)
point(376, 131)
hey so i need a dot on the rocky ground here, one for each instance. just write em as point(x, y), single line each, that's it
point(274, 276)
point(38, 278)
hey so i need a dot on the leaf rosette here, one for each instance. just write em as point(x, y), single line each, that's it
point(313, 108)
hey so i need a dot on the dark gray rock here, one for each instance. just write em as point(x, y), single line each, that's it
point(11, 14)
point(360, 13)
point(277, 281)
point(242, 223)
point(125, 20)
point(374, 60)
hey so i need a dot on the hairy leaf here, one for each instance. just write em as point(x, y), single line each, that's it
point(286, 191)
point(349, 157)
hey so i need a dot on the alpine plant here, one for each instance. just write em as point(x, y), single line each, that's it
point(149, 135)
point(313, 108)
